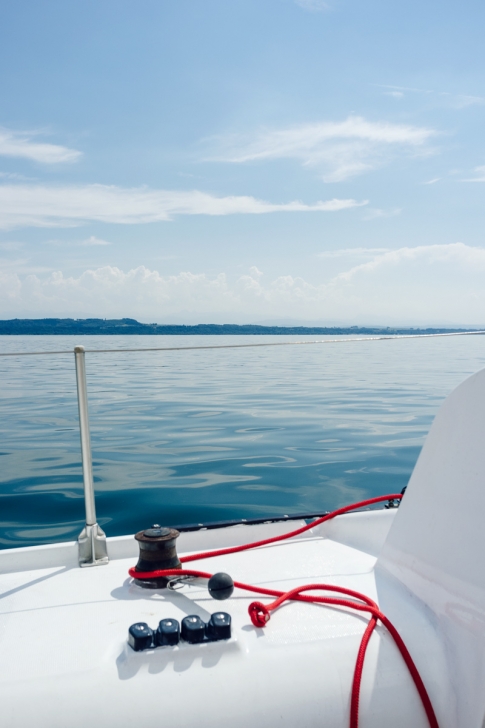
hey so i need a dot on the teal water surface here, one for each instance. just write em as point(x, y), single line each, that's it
point(183, 437)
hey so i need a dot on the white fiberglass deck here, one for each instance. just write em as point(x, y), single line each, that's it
point(65, 659)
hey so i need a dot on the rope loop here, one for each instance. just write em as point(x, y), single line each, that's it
point(259, 614)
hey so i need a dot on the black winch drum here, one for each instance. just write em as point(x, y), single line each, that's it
point(157, 551)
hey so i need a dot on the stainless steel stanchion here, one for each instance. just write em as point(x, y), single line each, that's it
point(92, 539)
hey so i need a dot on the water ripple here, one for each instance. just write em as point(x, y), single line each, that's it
point(281, 430)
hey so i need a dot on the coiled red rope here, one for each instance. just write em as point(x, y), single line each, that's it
point(260, 613)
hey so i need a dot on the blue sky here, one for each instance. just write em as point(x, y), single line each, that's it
point(243, 161)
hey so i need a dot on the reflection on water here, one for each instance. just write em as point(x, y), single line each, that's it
point(183, 437)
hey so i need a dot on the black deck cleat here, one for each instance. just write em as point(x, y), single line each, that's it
point(168, 633)
point(219, 626)
point(140, 636)
point(193, 629)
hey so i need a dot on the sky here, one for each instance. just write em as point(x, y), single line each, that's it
point(243, 161)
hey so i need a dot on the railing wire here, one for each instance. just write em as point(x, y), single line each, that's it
point(249, 346)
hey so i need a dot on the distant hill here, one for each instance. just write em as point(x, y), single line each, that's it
point(107, 327)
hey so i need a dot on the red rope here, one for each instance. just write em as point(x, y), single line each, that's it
point(359, 666)
point(266, 541)
point(260, 613)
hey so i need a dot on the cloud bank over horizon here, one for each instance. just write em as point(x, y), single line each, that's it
point(354, 296)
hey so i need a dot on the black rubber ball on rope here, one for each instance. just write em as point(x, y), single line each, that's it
point(220, 586)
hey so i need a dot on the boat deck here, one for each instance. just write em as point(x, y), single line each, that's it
point(63, 634)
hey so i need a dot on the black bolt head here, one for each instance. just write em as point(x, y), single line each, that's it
point(168, 633)
point(219, 626)
point(193, 629)
point(221, 586)
point(140, 636)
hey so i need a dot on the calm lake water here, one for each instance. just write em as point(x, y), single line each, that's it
point(184, 437)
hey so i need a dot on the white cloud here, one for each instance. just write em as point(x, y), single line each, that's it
point(92, 240)
point(432, 181)
point(456, 101)
point(425, 284)
point(462, 101)
point(15, 176)
point(43, 206)
point(456, 255)
point(479, 175)
point(352, 252)
point(404, 88)
point(87, 242)
point(373, 213)
point(20, 144)
point(313, 6)
point(339, 149)
point(11, 245)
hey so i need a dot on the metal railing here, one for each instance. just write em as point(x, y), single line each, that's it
point(93, 550)
point(342, 340)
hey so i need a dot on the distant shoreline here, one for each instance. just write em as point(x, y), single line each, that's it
point(131, 327)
